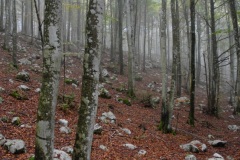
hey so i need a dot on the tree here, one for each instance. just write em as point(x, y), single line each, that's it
point(6, 45)
point(90, 79)
point(14, 37)
point(131, 45)
point(192, 67)
point(214, 68)
point(164, 125)
point(237, 45)
point(1, 15)
point(52, 55)
point(120, 19)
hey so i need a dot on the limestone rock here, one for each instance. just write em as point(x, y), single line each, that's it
point(142, 152)
point(102, 147)
point(130, 146)
point(15, 146)
point(65, 130)
point(24, 76)
point(2, 139)
point(63, 122)
point(233, 127)
point(67, 149)
point(126, 130)
point(24, 87)
point(97, 129)
point(16, 121)
point(60, 155)
point(217, 143)
point(190, 157)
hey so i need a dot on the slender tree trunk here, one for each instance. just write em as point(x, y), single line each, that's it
point(214, 90)
point(32, 29)
point(14, 38)
point(144, 35)
point(1, 15)
point(192, 67)
point(120, 20)
point(44, 143)
point(89, 98)
point(237, 44)
point(131, 45)
point(164, 125)
point(7, 27)
point(198, 75)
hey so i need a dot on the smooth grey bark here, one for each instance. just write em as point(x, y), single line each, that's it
point(69, 26)
point(52, 54)
point(120, 21)
point(144, 35)
point(131, 45)
point(89, 98)
point(199, 30)
point(164, 125)
point(1, 15)
point(79, 25)
point(213, 98)
point(6, 45)
point(237, 46)
point(192, 67)
point(14, 37)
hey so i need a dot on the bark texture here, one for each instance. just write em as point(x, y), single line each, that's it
point(52, 54)
point(90, 79)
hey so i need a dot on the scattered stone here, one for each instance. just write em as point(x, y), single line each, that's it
point(104, 93)
point(138, 77)
point(130, 146)
point(154, 101)
point(16, 121)
point(189, 148)
point(24, 76)
point(25, 126)
point(65, 130)
point(127, 131)
point(2, 89)
point(182, 100)
point(16, 146)
point(24, 61)
point(216, 156)
point(217, 143)
point(232, 116)
point(67, 149)
point(60, 155)
point(102, 147)
point(142, 152)
point(24, 87)
point(108, 116)
point(190, 157)
point(37, 90)
point(97, 129)
point(105, 73)
point(2, 139)
point(11, 81)
point(63, 122)
point(233, 127)
point(210, 136)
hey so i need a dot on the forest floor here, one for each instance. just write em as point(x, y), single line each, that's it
point(141, 121)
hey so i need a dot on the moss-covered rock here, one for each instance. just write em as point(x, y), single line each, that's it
point(18, 95)
point(71, 81)
point(125, 101)
point(24, 76)
point(104, 93)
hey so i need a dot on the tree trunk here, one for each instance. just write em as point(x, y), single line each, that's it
point(120, 20)
point(90, 79)
point(198, 75)
point(131, 45)
point(164, 125)
point(7, 26)
point(214, 90)
point(192, 67)
point(14, 38)
point(144, 35)
point(52, 54)
point(237, 44)
point(1, 15)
